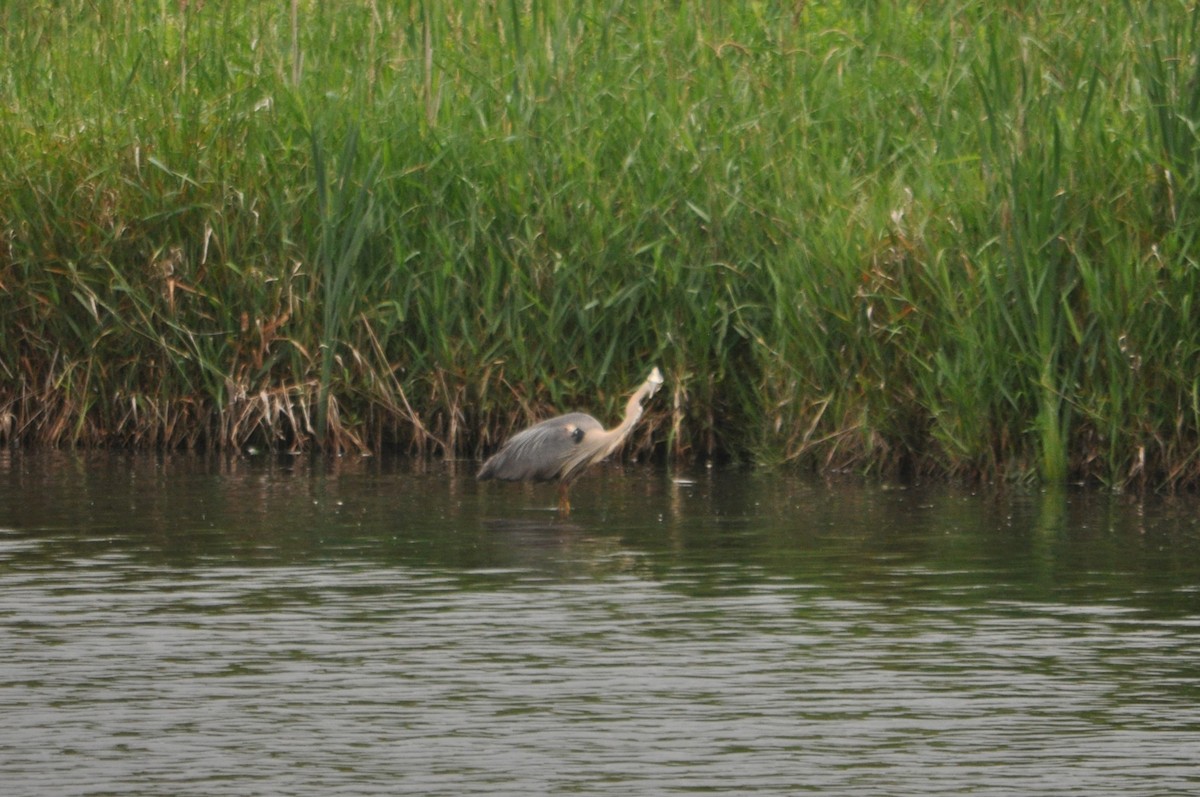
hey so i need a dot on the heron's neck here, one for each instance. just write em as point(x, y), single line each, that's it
point(633, 409)
point(608, 441)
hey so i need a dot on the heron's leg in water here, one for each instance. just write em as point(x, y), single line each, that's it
point(564, 504)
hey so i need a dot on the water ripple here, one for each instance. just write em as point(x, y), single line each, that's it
point(360, 680)
point(320, 627)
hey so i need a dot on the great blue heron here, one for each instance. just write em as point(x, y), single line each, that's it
point(561, 448)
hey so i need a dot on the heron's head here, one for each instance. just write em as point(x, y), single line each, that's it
point(655, 381)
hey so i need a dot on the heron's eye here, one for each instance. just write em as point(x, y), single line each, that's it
point(577, 434)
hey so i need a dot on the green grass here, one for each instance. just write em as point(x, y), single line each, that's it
point(954, 238)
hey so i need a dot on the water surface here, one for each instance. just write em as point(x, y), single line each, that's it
point(187, 625)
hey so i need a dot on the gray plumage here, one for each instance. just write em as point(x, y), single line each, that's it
point(545, 452)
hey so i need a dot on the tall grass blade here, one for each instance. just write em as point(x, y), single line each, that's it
point(346, 218)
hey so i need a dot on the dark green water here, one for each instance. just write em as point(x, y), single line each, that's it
point(187, 626)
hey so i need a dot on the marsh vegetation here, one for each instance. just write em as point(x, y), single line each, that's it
point(953, 238)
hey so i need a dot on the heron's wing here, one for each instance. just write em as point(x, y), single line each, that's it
point(540, 452)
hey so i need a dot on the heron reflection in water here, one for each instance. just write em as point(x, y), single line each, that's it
point(561, 448)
